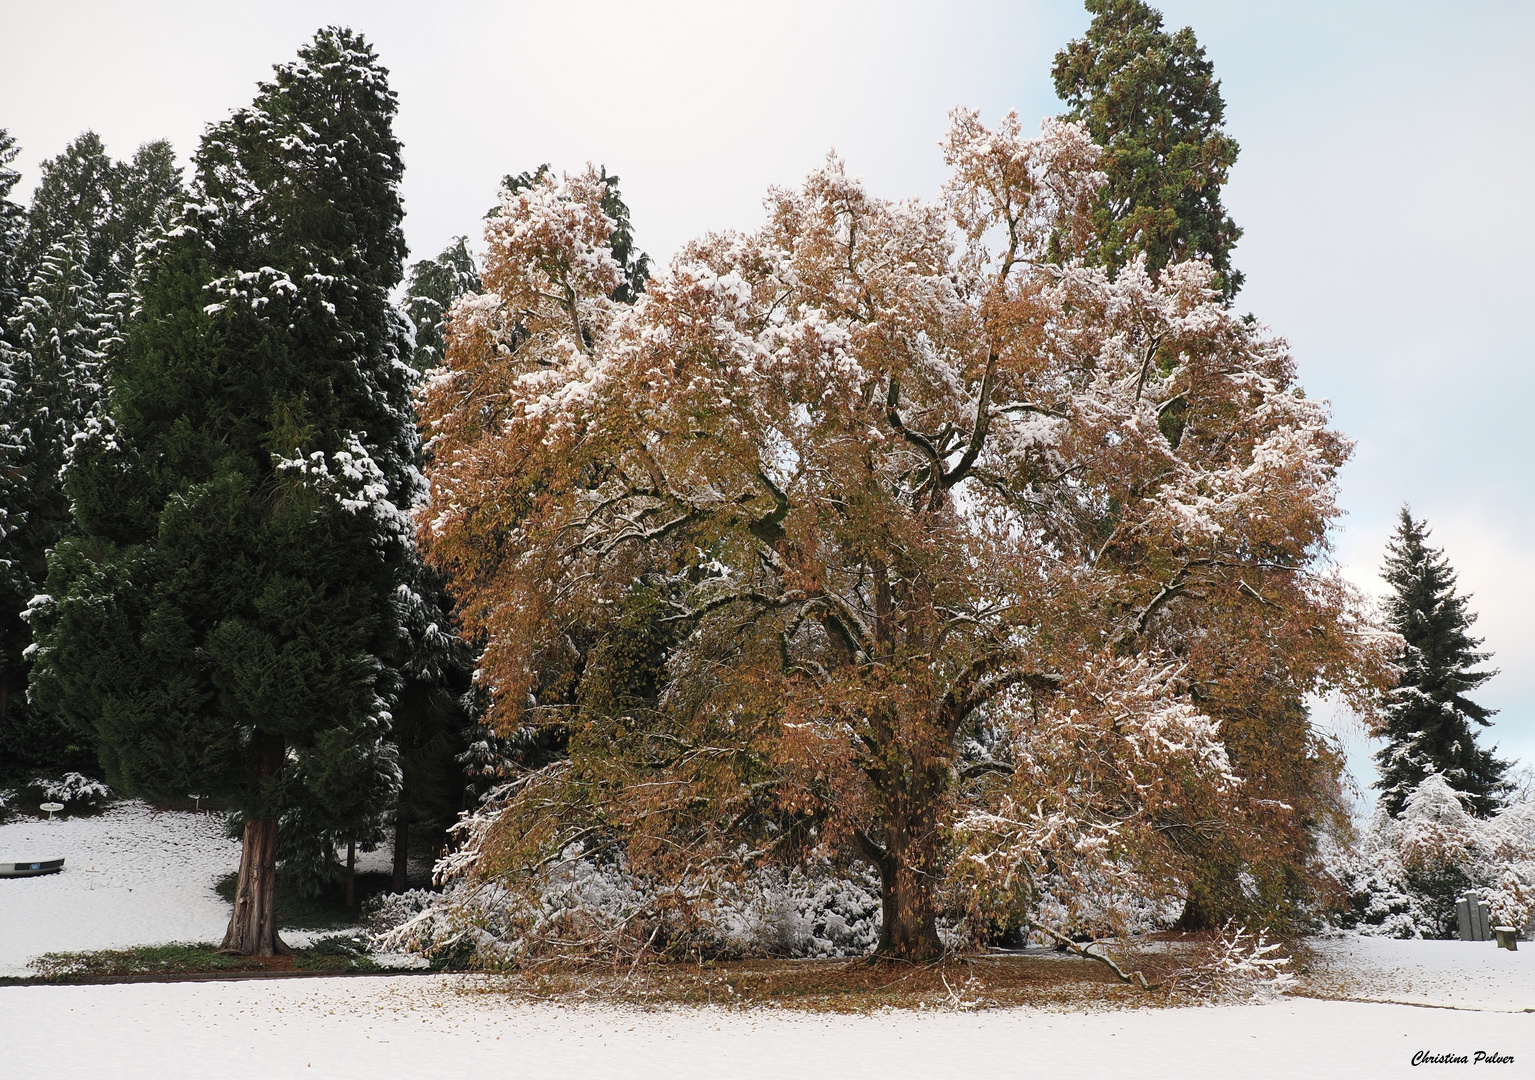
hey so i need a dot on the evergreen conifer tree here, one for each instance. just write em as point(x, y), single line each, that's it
point(234, 614)
point(72, 266)
point(12, 229)
point(433, 286)
point(112, 204)
point(1152, 101)
point(432, 724)
point(54, 368)
point(1429, 718)
point(12, 221)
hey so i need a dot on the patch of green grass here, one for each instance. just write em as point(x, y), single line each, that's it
point(180, 958)
point(335, 953)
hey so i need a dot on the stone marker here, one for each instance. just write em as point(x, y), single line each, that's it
point(1473, 918)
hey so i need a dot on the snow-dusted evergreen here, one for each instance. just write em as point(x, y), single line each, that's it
point(12, 229)
point(1412, 866)
point(1431, 723)
point(238, 613)
point(71, 280)
point(433, 286)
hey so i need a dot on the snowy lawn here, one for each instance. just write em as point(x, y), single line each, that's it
point(136, 877)
point(1463, 974)
point(438, 1026)
point(131, 877)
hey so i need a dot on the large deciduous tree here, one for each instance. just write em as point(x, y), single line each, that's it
point(235, 611)
point(887, 531)
point(1428, 716)
point(1152, 101)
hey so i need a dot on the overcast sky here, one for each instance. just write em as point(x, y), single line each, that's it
point(1384, 184)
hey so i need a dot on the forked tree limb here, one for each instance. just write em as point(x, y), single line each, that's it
point(1135, 978)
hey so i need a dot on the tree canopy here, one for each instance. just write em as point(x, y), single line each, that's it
point(1152, 101)
point(69, 264)
point(888, 531)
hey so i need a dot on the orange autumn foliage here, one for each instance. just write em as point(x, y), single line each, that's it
point(888, 531)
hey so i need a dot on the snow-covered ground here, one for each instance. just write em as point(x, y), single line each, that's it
point(131, 877)
point(444, 1026)
point(137, 877)
point(1459, 974)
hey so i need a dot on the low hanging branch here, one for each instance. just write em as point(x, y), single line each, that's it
point(1135, 978)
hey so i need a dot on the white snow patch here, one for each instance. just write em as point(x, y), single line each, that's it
point(428, 1026)
point(131, 876)
point(1456, 974)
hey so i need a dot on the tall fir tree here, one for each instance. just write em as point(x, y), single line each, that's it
point(235, 614)
point(12, 229)
point(73, 265)
point(1430, 722)
point(1152, 101)
point(429, 294)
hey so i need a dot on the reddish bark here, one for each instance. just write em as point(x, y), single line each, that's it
point(253, 923)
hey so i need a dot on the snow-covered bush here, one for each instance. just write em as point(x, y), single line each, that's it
point(1411, 868)
point(817, 911)
point(1105, 904)
point(78, 793)
point(1237, 967)
point(584, 907)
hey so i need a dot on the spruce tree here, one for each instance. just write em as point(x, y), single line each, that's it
point(433, 286)
point(73, 271)
point(12, 229)
point(234, 614)
point(1152, 101)
point(1429, 718)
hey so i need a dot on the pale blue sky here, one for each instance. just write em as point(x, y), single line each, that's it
point(1384, 182)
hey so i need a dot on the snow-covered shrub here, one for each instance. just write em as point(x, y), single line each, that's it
point(1103, 905)
point(815, 911)
point(1411, 868)
point(583, 907)
point(1237, 967)
point(78, 793)
point(417, 922)
point(579, 907)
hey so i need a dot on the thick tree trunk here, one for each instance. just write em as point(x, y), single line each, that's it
point(351, 873)
point(1195, 917)
point(253, 923)
point(909, 876)
point(401, 845)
